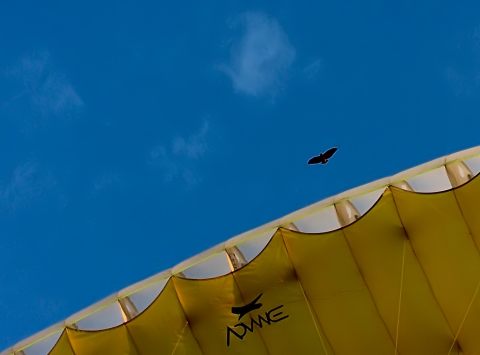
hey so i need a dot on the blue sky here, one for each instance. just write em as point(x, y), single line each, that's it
point(136, 134)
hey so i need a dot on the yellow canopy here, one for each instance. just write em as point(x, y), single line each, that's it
point(403, 278)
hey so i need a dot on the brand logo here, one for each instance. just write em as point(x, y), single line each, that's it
point(241, 329)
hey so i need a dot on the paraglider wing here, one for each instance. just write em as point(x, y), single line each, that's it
point(402, 279)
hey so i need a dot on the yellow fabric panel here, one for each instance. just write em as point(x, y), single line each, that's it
point(335, 287)
point(447, 253)
point(62, 347)
point(185, 345)
point(114, 341)
point(468, 196)
point(377, 242)
point(272, 275)
point(162, 328)
point(207, 305)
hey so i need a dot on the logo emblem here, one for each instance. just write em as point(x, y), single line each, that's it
point(242, 310)
point(267, 318)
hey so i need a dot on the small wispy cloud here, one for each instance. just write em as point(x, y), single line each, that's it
point(193, 146)
point(47, 90)
point(312, 70)
point(463, 76)
point(106, 181)
point(26, 183)
point(459, 83)
point(177, 160)
point(260, 57)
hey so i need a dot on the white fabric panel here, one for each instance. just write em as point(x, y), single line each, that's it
point(143, 298)
point(251, 248)
point(107, 317)
point(214, 265)
point(364, 202)
point(322, 221)
point(432, 181)
point(43, 346)
point(473, 164)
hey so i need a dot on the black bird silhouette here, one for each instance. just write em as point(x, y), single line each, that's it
point(323, 157)
point(242, 310)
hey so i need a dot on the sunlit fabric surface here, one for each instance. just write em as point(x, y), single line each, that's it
point(403, 279)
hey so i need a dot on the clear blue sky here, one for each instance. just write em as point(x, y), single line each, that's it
point(134, 134)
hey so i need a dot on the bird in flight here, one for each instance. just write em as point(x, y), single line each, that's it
point(323, 157)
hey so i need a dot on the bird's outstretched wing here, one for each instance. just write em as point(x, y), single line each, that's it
point(314, 160)
point(329, 153)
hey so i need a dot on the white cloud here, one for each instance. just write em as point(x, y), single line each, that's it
point(177, 161)
point(458, 82)
point(48, 91)
point(194, 146)
point(463, 78)
point(261, 57)
point(26, 183)
point(161, 158)
point(312, 70)
point(105, 181)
